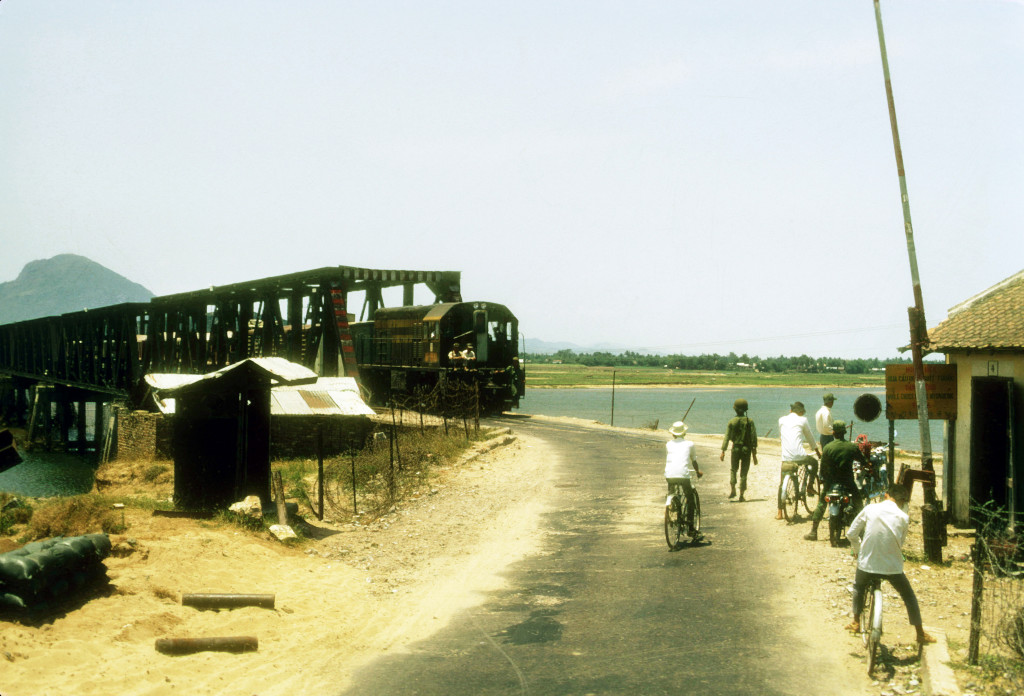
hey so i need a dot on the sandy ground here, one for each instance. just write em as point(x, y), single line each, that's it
point(363, 590)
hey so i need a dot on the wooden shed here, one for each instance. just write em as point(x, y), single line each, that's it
point(221, 438)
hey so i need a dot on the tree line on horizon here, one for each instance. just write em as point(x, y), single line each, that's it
point(714, 361)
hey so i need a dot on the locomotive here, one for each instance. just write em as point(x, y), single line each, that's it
point(411, 350)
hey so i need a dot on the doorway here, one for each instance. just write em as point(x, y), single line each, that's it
point(992, 479)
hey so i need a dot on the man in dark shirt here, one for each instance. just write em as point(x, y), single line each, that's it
point(837, 460)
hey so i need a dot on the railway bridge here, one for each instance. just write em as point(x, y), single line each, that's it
point(51, 367)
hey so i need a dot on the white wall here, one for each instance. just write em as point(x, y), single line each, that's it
point(970, 365)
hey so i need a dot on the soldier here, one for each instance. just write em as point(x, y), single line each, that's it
point(743, 435)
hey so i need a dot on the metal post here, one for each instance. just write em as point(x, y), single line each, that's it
point(918, 326)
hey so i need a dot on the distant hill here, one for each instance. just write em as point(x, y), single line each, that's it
point(65, 283)
point(539, 347)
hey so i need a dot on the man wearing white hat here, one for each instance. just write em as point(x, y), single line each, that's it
point(680, 458)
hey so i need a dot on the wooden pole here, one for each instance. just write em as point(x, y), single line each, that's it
point(976, 593)
point(282, 509)
point(613, 399)
point(355, 508)
point(212, 600)
point(320, 469)
point(187, 646)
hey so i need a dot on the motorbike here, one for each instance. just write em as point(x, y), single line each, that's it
point(872, 478)
point(840, 512)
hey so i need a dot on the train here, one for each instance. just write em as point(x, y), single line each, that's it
point(408, 352)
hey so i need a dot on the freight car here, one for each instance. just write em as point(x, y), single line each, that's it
point(408, 351)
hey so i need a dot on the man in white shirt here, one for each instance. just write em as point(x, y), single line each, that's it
point(883, 527)
point(680, 458)
point(795, 432)
point(823, 420)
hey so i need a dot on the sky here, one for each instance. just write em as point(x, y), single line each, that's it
point(686, 177)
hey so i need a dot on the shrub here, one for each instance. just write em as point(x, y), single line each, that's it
point(74, 516)
point(19, 513)
point(154, 472)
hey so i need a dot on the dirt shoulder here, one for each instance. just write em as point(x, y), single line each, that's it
point(363, 590)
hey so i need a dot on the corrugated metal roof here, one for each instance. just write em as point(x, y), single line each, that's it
point(327, 396)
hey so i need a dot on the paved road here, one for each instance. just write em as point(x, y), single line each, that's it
point(606, 608)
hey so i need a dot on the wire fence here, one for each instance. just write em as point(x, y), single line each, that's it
point(997, 605)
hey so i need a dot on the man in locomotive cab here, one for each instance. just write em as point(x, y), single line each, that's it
point(455, 357)
point(469, 357)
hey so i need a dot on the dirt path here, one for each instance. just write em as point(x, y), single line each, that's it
point(359, 592)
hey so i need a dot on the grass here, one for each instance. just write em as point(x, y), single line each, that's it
point(73, 516)
point(569, 375)
point(379, 475)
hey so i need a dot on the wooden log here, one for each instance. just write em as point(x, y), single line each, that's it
point(211, 600)
point(933, 530)
point(187, 646)
point(282, 510)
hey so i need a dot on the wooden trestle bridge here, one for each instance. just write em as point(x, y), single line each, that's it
point(101, 355)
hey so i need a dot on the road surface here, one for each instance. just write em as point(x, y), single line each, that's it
point(605, 608)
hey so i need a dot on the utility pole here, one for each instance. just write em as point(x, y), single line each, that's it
point(918, 325)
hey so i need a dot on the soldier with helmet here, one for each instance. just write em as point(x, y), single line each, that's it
point(743, 435)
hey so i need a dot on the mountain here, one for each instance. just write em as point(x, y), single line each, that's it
point(65, 283)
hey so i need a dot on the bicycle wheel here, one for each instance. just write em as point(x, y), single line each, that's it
point(696, 513)
point(789, 498)
point(871, 625)
point(673, 524)
point(810, 501)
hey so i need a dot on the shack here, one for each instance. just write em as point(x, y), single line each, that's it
point(221, 435)
point(984, 337)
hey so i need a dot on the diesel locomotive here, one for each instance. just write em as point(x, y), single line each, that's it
point(407, 351)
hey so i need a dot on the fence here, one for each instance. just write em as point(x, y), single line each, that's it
point(997, 606)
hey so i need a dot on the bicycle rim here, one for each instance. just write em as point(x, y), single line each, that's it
point(696, 512)
point(789, 498)
point(673, 525)
point(866, 614)
point(669, 527)
point(809, 502)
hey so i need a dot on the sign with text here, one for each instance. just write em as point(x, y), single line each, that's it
point(901, 395)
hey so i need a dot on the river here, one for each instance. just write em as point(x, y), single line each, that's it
point(45, 474)
point(640, 407)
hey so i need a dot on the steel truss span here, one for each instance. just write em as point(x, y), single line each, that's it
point(301, 317)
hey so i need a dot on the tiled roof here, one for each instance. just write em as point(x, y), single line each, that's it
point(993, 319)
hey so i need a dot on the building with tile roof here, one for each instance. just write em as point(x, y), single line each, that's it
point(984, 337)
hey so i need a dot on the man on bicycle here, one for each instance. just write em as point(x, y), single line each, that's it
point(679, 460)
point(837, 458)
point(795, 432)
point(883, 527)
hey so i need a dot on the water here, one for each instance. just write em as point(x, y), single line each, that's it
point(640, 407)
point(46, 474)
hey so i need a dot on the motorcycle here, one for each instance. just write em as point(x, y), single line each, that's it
point(872, 478)
point(840, 512)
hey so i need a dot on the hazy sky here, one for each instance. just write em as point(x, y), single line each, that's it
point(690, 177)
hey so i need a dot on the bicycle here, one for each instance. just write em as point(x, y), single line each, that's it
point(676, 508)
point(793, 489)
point(871, 621)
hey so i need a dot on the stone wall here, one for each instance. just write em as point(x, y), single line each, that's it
point(142, 435)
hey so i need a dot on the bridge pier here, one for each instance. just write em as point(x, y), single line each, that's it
point(56, 417)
